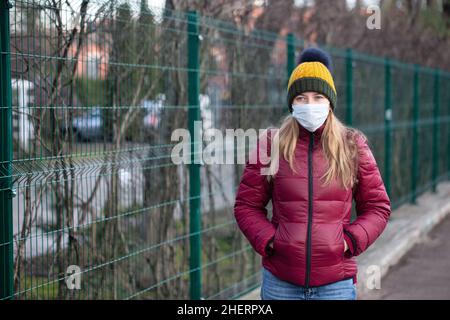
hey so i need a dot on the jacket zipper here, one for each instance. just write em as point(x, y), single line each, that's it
point(310, 194)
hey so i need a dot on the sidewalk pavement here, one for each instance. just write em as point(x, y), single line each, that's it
point(408, 226)
point(423, 273)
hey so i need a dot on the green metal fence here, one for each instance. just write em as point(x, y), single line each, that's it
point(91, 205)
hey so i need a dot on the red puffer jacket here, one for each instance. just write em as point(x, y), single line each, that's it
point(310, 222)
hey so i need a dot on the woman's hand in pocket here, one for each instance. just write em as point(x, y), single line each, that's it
point(269, 247)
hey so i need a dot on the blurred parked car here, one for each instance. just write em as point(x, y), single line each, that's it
point(87, 127)
point(153, 108)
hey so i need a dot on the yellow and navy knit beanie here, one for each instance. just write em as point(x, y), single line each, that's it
point(313, 73)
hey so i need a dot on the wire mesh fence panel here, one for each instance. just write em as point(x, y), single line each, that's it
point(91, 128)
point(402, 114)
point(425, 156)
point(244, 76)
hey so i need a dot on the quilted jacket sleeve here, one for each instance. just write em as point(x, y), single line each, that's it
point(373, 206)
point(254, 192)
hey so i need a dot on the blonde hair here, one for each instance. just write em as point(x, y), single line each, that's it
point(338, 144)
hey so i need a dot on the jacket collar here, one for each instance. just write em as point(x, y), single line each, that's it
point(305, 133)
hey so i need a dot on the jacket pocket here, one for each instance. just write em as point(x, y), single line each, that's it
point(349, 252)
point(280, 240)
point(270, 249)
point(342, 241)
point(277, 231)
point(289, 246)
point(327, 244)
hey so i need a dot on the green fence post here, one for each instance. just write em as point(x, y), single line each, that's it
point(194, 167)
point(435, 129)
point(290, 59)
point(349, 85)
point(6, 191)
point(415, 138)
point(387, 125)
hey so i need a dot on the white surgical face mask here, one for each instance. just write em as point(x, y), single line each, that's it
point(311, 116)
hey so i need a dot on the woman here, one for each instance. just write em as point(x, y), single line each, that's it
point(308, 248)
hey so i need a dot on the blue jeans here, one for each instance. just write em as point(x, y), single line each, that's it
point(273, 288)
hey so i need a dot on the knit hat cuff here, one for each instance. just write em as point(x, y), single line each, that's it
point(311, 84)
